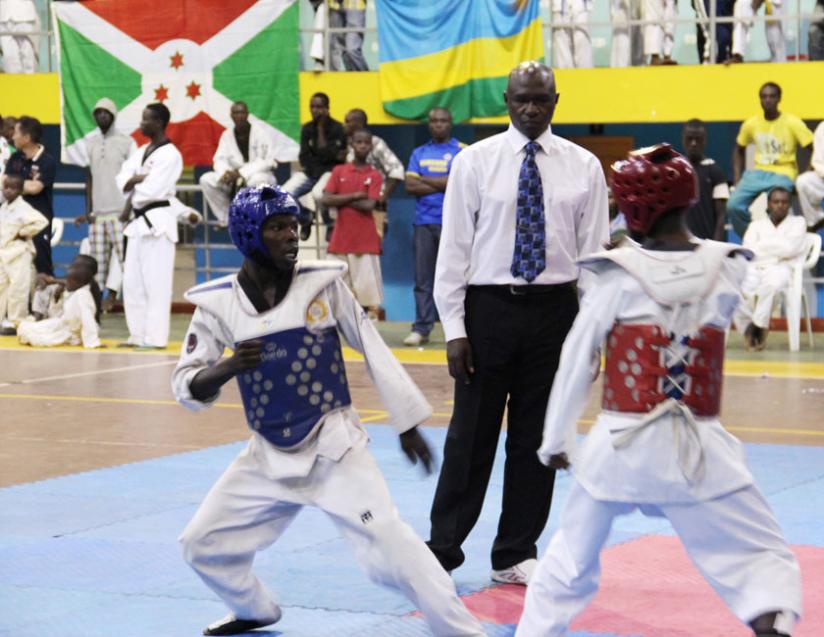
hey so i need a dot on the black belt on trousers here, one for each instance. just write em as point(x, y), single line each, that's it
point(526, 290)
point(141, 212)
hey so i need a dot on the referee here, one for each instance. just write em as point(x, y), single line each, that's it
point(520, 208)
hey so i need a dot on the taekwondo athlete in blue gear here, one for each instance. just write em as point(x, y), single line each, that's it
point(281, 318)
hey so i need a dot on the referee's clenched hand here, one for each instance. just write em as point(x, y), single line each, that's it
point(459, 357)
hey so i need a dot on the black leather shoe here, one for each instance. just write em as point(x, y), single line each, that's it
point(305, 231)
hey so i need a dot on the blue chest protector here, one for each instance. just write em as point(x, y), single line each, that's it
point(300, 378)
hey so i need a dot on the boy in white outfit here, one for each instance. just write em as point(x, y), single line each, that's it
point(658, 446)
point(19, 222)
point(78, 321)
point(281, 319)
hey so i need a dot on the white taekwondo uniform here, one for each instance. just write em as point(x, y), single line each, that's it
point(776, 248)
point(148, 269)
point(308, 447)
point(670, 457)
point(257, 171)
point(75, 325)
point(17, 219)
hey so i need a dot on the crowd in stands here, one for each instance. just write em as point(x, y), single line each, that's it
point(643, 32)
point(345, 177)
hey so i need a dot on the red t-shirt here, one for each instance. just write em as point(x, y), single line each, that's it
point(355, 231)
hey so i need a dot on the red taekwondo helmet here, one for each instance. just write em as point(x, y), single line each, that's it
point(650, 182)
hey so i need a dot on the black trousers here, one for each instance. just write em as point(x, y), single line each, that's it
point(516, 345)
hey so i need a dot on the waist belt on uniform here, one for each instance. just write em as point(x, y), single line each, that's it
point(141, 212)
point(526, 290)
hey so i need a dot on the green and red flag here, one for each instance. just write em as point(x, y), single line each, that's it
point(194, 56)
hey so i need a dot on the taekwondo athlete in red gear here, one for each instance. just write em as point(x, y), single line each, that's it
point(662, 308)
point(281, 318)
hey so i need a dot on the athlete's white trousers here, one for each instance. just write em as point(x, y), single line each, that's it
point(773, 29)
point(811, 196)
point(572, 46)
point(249, 508)
point(19, 50)
point(659, 37)
point(148, 274)
point(217, 192)
point(733, 540)
point(15, 286)
point(762, 283)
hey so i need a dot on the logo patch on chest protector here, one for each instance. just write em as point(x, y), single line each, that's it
point(666, 273)
point(191, 343)
point(366, 517)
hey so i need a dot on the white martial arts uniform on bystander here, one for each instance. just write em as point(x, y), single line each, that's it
point(744, 13)
point(572, 44)
point(655, 447)
point(148, 269)
point(810, 184)
point(19, 222)
point(256, 170)
point(308, 446)
point(19, 20)
point(775, 248)
point(659, 35)
point(75, 325)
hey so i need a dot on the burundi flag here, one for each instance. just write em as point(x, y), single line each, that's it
point(194, 56)
point(453, 53)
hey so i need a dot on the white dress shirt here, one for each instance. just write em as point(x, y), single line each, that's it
point(479, 213)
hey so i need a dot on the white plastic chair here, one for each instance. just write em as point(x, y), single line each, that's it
point(794, 294)
point(57, 231)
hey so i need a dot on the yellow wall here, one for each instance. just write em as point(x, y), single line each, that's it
point(630, 95)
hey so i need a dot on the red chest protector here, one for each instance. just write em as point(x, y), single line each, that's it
point(638, 376)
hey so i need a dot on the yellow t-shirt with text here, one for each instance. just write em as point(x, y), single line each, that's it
point(775, 142)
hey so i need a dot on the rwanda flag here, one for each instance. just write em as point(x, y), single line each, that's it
point(453, 53)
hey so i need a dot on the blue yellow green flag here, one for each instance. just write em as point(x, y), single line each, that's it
point(453, 53)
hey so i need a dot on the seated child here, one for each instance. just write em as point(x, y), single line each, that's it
point(78, 322)
point(19, 222)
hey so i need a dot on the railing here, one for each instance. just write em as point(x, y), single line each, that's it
point(796, 19)
point(188, 236)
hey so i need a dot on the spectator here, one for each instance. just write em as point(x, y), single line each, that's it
point(245, 156)
point(627, 41)
point(317, 49)
point(78, 321)
point(5, 150)
point(9, 122)
point(426, 178)
point(776, 136)
point(19, 20)
point(705, 219)
point(323, 146)
point(37, 167)
point(744, 12)
point(521, 207)
point(723, 31)
point(19, 222)
point(382, 159)
point(355, 188)
point(811, 184)
point(346, 47)
point(148, 179)
point(659, 34)
point(815, 35)
point(776, 242)
point(104, 200)
point(571, 45)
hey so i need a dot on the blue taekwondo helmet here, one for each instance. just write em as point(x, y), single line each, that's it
point(250, 208)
